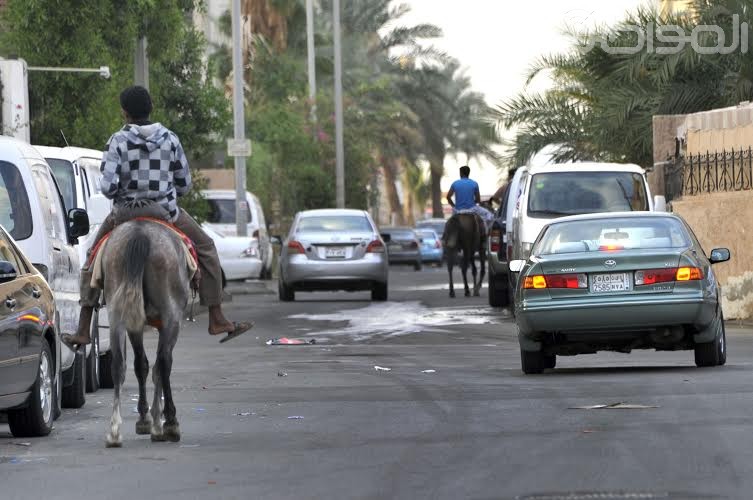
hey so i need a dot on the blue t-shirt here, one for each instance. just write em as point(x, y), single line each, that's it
point(465, 193)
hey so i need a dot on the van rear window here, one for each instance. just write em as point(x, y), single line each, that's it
point(15, 212)
point(555, 194)
point(223, 211)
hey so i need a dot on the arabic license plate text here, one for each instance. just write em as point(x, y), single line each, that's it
point(334, 252)
point(607, 283)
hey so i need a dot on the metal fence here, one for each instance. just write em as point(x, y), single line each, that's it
point(718, 172)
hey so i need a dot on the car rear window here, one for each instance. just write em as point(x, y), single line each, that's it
point(223, 211)
point(334, 223)
point(438, 227)
point(15, 212)
point(555, 194)
point(611, 234)
point(400, 234)
point(427, 235)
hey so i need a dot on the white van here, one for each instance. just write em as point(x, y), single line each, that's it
point(77, 171)
point(31, 210)
point(551, 191)
point(222, 220)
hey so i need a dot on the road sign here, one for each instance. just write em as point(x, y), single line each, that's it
point(239, 147)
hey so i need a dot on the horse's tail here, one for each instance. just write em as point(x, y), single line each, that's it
point(131, 290)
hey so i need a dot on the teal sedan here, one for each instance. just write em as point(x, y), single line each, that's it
point(617, 282)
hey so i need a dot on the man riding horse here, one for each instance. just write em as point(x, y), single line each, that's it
point(468, 198)
point(144, 171)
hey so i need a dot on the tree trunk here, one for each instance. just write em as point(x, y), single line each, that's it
point(389, 167)
point(437, 170)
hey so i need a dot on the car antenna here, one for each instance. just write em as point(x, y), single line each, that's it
point(64, 139)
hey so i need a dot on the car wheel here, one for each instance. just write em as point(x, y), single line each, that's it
point(708, 353)
point(36, 419)
point(105, 371)
point(498, 293)
point(532, 362)
point(379, 292)
point(723, 345)
point(285, 293)
point(92, 360)
point(417, 266)
point(550, 361)
point(74, 396)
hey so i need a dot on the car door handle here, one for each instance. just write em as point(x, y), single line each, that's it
point(36, 293)
point(10, 303)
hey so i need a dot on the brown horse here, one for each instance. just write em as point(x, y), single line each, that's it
point(465, 233)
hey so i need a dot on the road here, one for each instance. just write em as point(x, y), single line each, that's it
point(474, 428)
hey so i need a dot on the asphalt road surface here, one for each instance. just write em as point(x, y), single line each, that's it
point(321, 422)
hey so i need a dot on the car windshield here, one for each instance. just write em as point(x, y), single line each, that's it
point(63, 171)
point(611, 234)
point(223, 211)
point(556, 194)
point(334, 223)
point(15, 212)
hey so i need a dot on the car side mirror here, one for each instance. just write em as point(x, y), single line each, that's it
point(78, 223)
point(386, 237)
point(98, 208)
point(517, 265)
point(660, 203)
point(275, 240)
point(719, 255)
point(8, 271)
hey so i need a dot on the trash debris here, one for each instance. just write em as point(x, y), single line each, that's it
point(135, 399)
point(428, 371)
point(282, 374)
point(211, 482)
point(614, 406)
point(200, 410)
point(287, 341)
point(245, 414)
point(295, 417)
point(587, 431)
point(204, 387)
point(382, 369)
point(25, 444)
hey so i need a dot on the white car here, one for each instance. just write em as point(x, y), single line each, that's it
point(222, 220)
point(77, 171)
point(239, 256)
point(33, 214)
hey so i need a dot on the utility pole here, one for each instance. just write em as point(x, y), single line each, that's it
point(311, 58)
point(239, 146)
point(141, 65)
point(339, 147)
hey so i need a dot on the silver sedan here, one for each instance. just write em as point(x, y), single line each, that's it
point(333, 249)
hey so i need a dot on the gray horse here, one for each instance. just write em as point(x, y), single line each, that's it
point(465, 233)
point(146, 282)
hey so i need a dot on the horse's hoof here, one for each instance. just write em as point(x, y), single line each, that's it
point(113, 442)
point(467, 294)
point(171, 433)
point(452, 295)
point(144, 427)
point(158, 438)
point(477, 294)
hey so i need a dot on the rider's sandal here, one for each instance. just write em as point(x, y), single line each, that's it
point(240, 328)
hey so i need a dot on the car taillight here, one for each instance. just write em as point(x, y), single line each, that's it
point(295, 247)
point(509, 253)
point(654, 276)
point(414, 244)
point(494, 238)
point(375, 246)
point(572, 281)
point(437, 244)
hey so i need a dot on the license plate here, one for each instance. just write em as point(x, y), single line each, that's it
point(334, 253)
point(608, 283)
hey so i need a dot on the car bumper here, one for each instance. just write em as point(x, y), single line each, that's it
point(616, 313)
point(404, 257)
point(300, 270)
point(241, 268)
point(496, 266)
point(432, 255)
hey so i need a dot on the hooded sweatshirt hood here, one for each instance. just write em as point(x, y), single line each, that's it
point(147, 137)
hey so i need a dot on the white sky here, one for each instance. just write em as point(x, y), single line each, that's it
point(497, 40)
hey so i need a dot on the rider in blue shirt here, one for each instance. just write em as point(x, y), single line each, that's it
point(466, 192)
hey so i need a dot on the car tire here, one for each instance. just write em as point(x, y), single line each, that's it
point(285, 293)
point(532, 362)
point(417, 266)
point(550, 361)
point(708, 353)
point(379, 292)
point(723, 345)
point(37, 417)
point(74, 396)
point(105, 371)
point(92, 360)
point(499, 295)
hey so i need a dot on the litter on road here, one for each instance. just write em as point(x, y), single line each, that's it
point(295, 417)
point(282, 374)
point(428, 371)
point(245, 414)
point(287, 341)
point(382, 369)
point(613, 406)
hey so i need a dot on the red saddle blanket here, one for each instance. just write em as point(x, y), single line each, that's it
point(186, 240)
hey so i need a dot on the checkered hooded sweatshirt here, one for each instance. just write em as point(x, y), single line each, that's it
point(145, 162)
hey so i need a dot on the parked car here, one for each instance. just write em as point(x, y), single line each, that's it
point(77, 172)
point(31, 210)
point(435, 224)
point(333, 249)
point(618, 282)
point(431, 246)
point(221, 219)
point(29, 344)
point(403, 246)
point(499, 249)
point(552, 191)
point(239, 256)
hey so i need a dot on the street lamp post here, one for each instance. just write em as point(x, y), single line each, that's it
point(239, 147)
point(311, 58)
point(339, 147)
